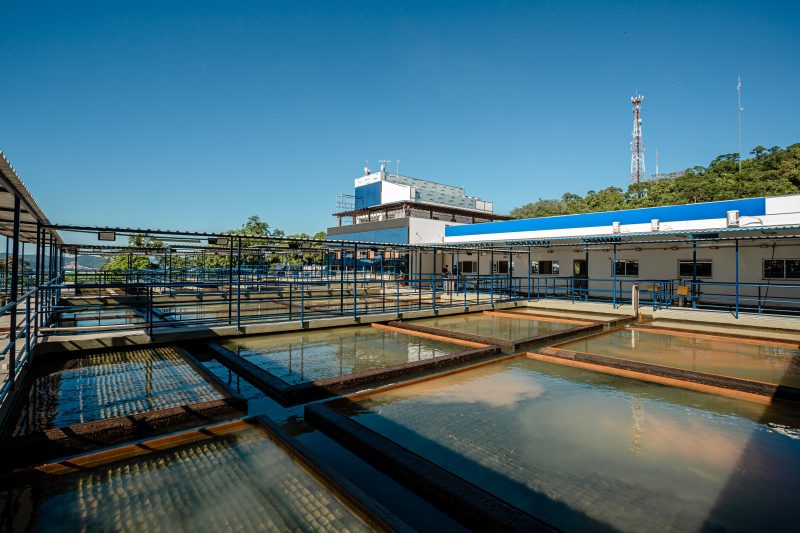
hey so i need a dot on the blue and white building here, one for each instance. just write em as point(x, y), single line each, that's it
point(737, 253)
point(396, 209)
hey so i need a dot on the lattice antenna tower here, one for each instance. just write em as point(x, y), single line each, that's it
point(638, 172)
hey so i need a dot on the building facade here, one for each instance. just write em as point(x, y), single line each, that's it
point(743, 253)
point(395, 209)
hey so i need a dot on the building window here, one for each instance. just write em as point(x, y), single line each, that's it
point(781, 268)
point(627, 268)
point(703, 269)
point(501, 267)
point(545, 267)
point(468, 267)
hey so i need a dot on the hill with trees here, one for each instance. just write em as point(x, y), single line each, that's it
point(770, 172)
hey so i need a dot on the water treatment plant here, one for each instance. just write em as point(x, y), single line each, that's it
point(431, 365)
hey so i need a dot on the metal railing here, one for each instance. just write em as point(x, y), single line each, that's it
point(762, 298)
point(156, 300)
point(22, 316)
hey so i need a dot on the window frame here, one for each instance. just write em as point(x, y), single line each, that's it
point(785, 262)
point(625, 272)
point(699, 276)
point(555, 267)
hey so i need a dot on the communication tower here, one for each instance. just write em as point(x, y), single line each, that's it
point(638, 172)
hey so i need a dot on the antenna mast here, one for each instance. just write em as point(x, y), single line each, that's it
point(638, 172)
point(740, 109)
point(657, 164)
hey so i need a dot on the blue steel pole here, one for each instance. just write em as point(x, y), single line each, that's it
point(694, 274)
point(355, 287)
point(491, 277)
point(737, 278)
point(434, 279)
point(614, 273)
point(239, 283)
point(529, 273)
point(12, 324)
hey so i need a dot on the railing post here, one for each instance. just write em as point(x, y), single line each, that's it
point(737, 278)
point(614, 273)
point(28, 326)
point(239, 283)
point(355, 286)
point(12, 325)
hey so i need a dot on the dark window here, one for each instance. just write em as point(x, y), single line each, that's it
point(781, 268)
point(502, 267)
point(627, 268)
point(774, 268)
point(467, 267)
point(703, 269)
point(793, 268)
point(545, 267)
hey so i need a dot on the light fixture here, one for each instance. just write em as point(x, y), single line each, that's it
point(673, 248)
point(714, 247)
point(638, 249)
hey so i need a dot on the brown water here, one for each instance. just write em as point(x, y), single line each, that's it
point(112, 384)
point(307, 356)
point(728, 358)
point(241, 482)
point(584, 450)
point(497, 327)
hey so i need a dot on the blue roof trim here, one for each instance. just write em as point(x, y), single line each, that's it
point(750, 207)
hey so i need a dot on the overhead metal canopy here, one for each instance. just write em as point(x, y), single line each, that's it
point(11, 186)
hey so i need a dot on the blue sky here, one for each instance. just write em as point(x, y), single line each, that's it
point(195, 115)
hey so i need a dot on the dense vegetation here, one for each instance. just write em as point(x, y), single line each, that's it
point(154, 256)
point(770, 172)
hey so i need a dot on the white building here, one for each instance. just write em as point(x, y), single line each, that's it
point(395, 209)
point(729, 254)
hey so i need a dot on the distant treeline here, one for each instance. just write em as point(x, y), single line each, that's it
point(152, 251)
point(770, 172)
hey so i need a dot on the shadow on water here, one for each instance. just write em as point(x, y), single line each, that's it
point(466, 471)
point(753, 461)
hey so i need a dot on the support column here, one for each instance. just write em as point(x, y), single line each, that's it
point(12, 350)
point(694, 274)
point(614, 271)
point(737, 277)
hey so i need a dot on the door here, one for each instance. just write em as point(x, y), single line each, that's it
point(580, 271)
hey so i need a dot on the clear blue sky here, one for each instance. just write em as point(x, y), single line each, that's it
point(195, 115)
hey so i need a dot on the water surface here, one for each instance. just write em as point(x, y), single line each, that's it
point(240, 482)
point(768, 364)
point(307, 356)
point(587, 450)
point(112, 384)
point(498, 327)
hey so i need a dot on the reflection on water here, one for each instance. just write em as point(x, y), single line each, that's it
point(111, 384)
point(729, 358)
point(297, 357)
point(632, 455)
point(499, 327)
point(241, 482)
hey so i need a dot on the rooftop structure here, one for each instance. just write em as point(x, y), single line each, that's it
point(384, 205)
